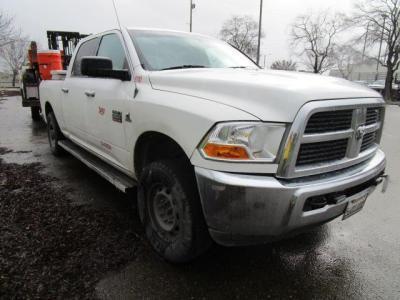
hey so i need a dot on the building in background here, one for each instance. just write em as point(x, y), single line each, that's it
point(364, 72)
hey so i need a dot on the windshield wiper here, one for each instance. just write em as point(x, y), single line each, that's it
point(184, 67)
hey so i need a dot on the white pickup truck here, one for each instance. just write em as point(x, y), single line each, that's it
point(219, 149)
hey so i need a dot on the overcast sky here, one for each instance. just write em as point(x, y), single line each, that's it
point(92, 16)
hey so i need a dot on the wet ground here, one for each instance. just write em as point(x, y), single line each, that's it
point(354, 259)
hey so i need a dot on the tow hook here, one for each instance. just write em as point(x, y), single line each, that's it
point(384, 179)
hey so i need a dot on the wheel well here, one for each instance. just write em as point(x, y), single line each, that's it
point(47, 108)
point(152, 146)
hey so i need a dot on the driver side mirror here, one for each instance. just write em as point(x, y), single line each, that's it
point(102, 67)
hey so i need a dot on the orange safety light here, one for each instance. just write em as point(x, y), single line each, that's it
point(225, 151)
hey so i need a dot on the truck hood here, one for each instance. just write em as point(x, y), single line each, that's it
point(274, 96)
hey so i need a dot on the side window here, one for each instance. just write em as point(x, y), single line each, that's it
point(111, 47)
point(88, 48)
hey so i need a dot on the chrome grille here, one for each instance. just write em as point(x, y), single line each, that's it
point(368, 141)
point(373, 116)
point(331, 135)
point(328, 121)
point(314, 153)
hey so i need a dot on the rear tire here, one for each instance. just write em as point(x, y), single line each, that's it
point(54, 135)
point(35, 112)
point(171, 212)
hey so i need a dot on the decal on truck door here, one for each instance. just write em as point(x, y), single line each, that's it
point(102, 110)
point(106, 146)
point(128, 118)
point(138, 79)
point(117, 116)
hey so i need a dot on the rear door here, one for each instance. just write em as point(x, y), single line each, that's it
point(73, 93)
point(108, 107)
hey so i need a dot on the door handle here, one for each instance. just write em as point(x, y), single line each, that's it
point(90, 94)
point(65, 90)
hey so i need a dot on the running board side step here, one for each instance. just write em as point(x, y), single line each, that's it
point(120, 180)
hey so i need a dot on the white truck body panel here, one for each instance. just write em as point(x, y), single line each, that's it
point(273, 96)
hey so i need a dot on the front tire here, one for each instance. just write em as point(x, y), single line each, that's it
point(171, 211)
point(54, 135)
point(35, 113)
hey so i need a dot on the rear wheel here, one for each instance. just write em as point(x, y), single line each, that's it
point(171, 211)
point(35, 112)
point(54, 134)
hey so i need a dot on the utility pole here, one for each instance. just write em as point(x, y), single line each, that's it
point(192, 6)
point(380, 46)
point(259, 33)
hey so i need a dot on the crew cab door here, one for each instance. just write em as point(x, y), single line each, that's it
point(73, 93)
point(107, 104)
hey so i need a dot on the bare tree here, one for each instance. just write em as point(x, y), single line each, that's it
point(7, 30)
point(314, 36)
point(380, 22)
point(346, 58)
point(242, 33)
point(14, 55)
point(287, 65)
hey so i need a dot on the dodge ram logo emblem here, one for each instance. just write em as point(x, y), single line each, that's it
point(360, 132)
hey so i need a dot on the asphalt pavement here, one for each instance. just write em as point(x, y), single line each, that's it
point(358, 258)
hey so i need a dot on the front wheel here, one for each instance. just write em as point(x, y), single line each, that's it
point(35, 112)
point(54, 134)
point(171, 211)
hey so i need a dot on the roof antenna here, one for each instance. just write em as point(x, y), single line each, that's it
point(116, 14)
point(120, 28)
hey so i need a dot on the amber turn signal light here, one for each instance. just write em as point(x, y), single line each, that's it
point(225, 151)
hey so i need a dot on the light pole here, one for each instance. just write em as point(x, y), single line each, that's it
point(259, 33)
point(380, 46)
point(192, 6)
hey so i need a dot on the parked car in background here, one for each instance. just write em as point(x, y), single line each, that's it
point(379, 86)
point(220, 149)
point(362, 82)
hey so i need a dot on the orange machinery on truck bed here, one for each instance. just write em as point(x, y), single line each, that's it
point(42, 63)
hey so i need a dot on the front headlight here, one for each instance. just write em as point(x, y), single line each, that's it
point(243, 141)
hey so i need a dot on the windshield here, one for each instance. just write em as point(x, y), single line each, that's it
point(168, 50)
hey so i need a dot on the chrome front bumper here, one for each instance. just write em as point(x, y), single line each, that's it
point(250, 209)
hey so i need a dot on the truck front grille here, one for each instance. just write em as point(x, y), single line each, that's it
point(356, 128)
point(368, 141)
point(328, 121)
point(330, 135)
point(373, 116)
point(321, 152)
